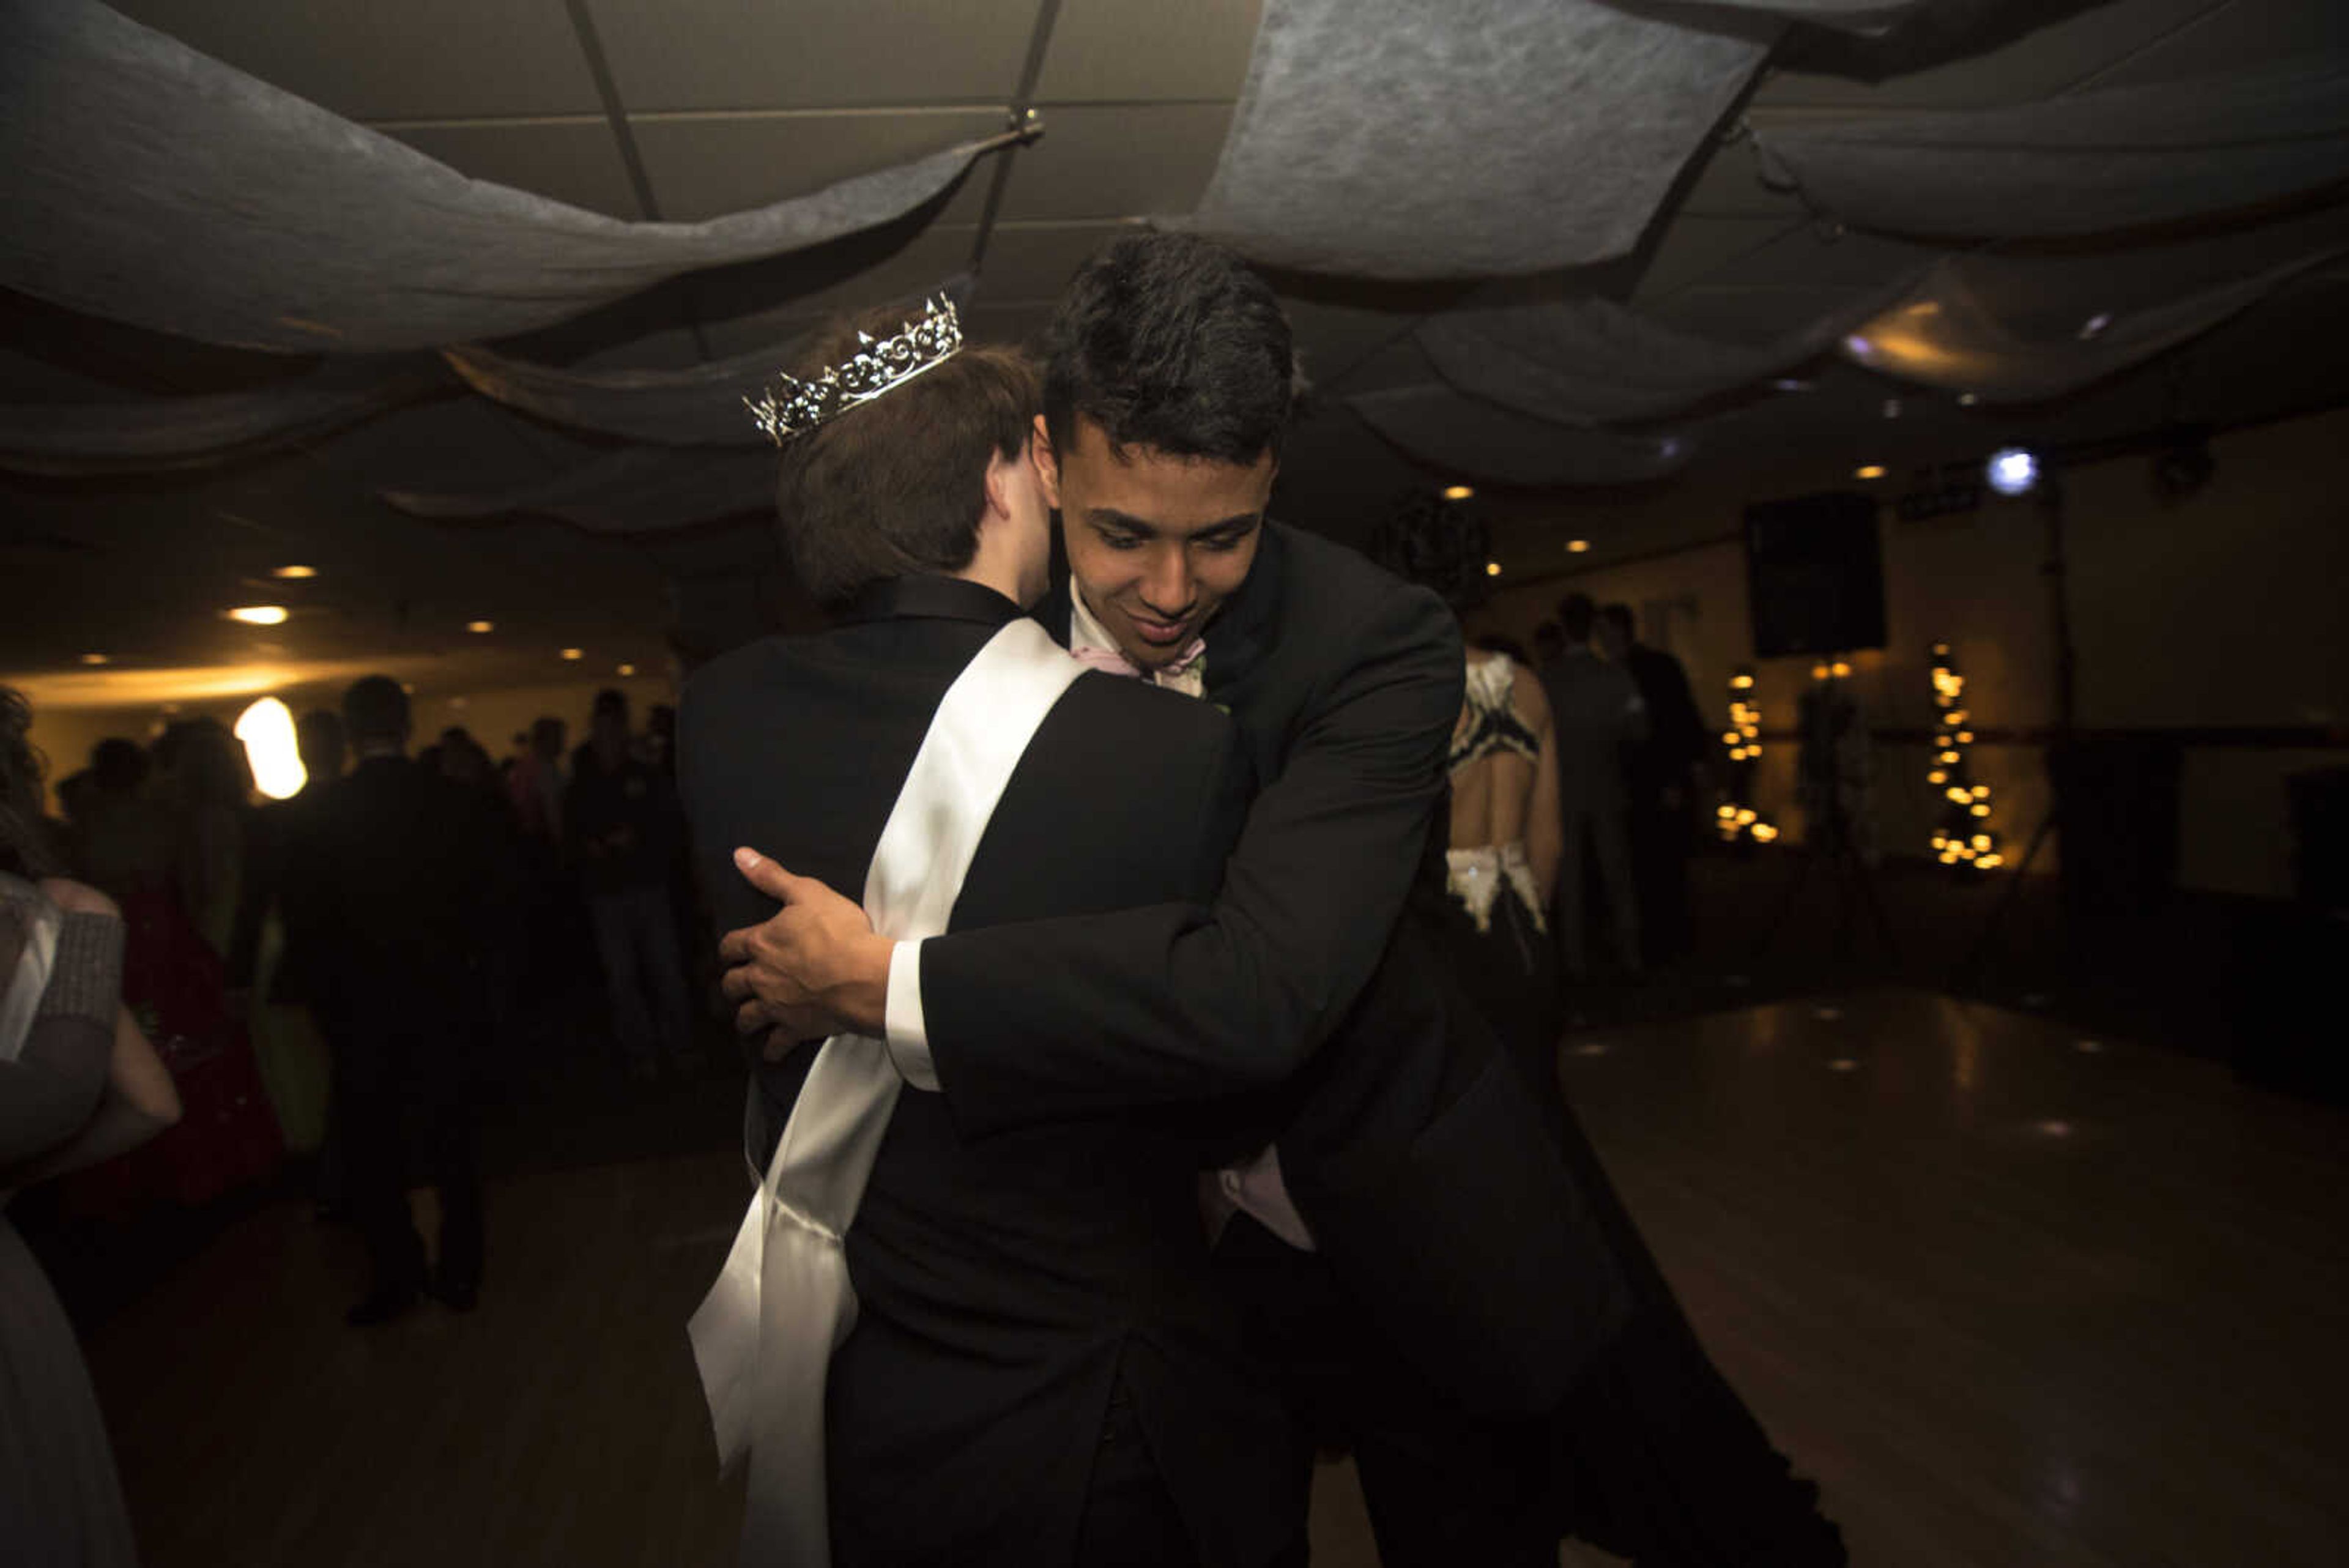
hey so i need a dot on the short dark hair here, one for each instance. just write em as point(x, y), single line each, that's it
point(1620, 614)
point(1574, 615)
point(1170, 342)
point(611, 699)
point(376, 708)
point(898, 485)
point(119, 764)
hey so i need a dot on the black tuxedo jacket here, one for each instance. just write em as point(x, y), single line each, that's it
point(1004, 1286)
point(403, 876)
point(1410, 1144)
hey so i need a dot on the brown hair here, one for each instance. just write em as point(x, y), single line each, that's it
point(898, 485)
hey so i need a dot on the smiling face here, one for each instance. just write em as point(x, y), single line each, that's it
point(1156, 543)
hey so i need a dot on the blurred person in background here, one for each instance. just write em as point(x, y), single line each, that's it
point(1600, 718)
point(273, 963)
point(1660, 780)
point(78, 1083)
point(409, 862)
point(623, 827)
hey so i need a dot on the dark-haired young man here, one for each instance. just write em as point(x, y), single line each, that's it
point(1426, 1267)
point(1042, 1370)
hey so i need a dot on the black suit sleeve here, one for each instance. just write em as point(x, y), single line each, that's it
point(1183, 1002)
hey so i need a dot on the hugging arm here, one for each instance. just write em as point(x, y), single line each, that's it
point(1174, 1003)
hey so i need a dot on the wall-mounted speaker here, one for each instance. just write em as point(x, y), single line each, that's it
point(1815, 575)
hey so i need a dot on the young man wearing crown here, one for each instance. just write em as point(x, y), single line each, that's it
point(1474, 1313)
point(1033, 1363)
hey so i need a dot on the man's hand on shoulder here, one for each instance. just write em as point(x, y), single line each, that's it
point(813, 968)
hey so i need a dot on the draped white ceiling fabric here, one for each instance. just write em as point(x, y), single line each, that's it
point(698, 406)
point(1458, 434)
point(1851, 15)
point(158, 433)
point(2088, 163)
point(1946, 334)
point(149, 184)
point(1588, 361)
point(1392, 139)
point(633, 490)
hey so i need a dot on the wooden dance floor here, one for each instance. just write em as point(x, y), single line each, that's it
point(2013, 1297)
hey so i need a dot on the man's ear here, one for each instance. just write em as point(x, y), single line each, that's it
point(1047, 460)
point(998, 485)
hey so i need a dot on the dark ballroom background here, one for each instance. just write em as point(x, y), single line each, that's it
point(1996, 1153)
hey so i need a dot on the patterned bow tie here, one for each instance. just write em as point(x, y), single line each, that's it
point(1188, 674)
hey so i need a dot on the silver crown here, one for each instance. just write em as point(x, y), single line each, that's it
point(792, 407)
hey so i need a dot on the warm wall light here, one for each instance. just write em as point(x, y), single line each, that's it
point(1457, 493)
point(575, 653)
point(259, 615)
point(267, 731)
point(1492, 568)
point(94, 658)
point(295, 573)
point(1872, 471)
point(627, 669)
point(1577, 547)
point(481, 626)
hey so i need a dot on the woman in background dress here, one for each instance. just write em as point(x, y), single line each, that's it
point(78, 1083)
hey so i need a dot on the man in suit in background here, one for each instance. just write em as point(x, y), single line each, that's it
point(1601, 719)
point(408, 865)
point(1413, 1250)
point(1042, 1371)
point(1661, 783)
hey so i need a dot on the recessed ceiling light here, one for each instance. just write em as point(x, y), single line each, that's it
point(295, 573)
point(480, 626)
point(2094, 325)
point(95, 659)
point(1968, 399)
point(1492, 568)
point(1577, 547)
point(1457, 493)
point(1872, 471)
point(575, 653)
point(627, 669)
point(259, 615)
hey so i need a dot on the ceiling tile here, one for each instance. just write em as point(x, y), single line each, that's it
point(1728, 184)
point(2023, 68)
point(418, 59)
point(575, 161)
point(758, 54)
point(706, 166)
point(1035, 261)
point(1127, 161)
point(1692, 249)
point(1022, 323)
point(1143, 51)
point(1333, 340)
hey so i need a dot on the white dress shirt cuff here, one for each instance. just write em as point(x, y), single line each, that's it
point(901, 1019)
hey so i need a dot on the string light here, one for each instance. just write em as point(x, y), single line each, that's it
point(1960, 840)
point(1736, 819)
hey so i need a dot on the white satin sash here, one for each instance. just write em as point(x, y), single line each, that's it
point(765, 1337)
point(36, 957)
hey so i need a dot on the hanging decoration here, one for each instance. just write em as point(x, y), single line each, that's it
point(1962, 837)
point(1736, 818)
point(147, 183)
